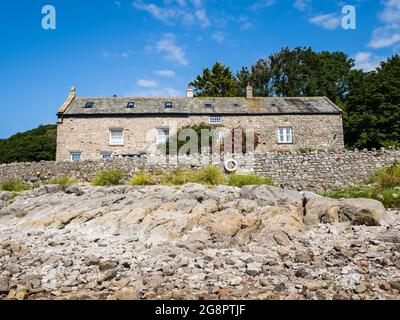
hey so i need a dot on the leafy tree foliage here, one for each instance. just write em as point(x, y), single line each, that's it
point(372, 107)
point(299, 72)
point(31, 146)
point(219, 81)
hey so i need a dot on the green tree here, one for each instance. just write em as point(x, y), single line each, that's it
point(299, 72)
point(372, 107)
point(31, 146)
point(217, 82)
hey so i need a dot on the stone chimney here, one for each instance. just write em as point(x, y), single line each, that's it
point(67, 103)
point(249, 92)
point(189, 92)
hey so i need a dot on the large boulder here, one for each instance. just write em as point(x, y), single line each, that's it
point(272, 196)
point(363, 212)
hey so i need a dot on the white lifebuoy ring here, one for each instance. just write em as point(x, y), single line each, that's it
point(231, 165)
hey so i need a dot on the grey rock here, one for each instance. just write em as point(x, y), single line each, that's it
point(4, 285)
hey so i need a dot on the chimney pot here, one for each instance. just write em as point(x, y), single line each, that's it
point(189, 92)
point(249, 92)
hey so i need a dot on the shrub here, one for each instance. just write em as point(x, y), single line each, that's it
point(14, 186)
point(210, 175)
point(142, 179)
point(179, 177)
point(388, 177)
point(241, 180)
point(63, 181)
point(108, 178)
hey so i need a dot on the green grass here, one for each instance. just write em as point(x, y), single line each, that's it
point(14, 186)
point(384, 187)
point(63, 181)
point(108, 178)
point(142, 179)
point(241, 180)
point(351, 192)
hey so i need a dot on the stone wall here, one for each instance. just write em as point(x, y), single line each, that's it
point(311, 171)
point(91, 136)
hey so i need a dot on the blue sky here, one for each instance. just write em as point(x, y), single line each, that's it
point(155, 47)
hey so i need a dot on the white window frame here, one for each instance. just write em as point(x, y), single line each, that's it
point(215, 120)
point(167, 136)
point(107, 154)
point(74, 153)
point(119, 142)
point(285, 135)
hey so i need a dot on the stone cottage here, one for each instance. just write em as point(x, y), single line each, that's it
point(91, 128)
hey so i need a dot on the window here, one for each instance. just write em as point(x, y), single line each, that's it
point(215, 120)
point(89, 105)
point(130, 105)
point(168, 105)
point(116, 137)
point(208, 105)
point(236, 105)
point(162, 136)
point(220, 135)
point(105, 155)
point(285, 135)
point(308, 104)
point(75, 156)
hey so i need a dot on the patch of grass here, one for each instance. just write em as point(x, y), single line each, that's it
point(241, 180)
point(351, 192)
point(210, 175)
point(142, 179)
point(63, 181)
point(108, 178)
point(14, 186)
point(389, 197)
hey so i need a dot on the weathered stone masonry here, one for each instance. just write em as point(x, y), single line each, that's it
point(311, 171)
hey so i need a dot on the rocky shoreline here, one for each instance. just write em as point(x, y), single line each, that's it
point(195, 243)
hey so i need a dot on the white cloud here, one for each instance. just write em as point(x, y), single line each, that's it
point(327, 21)
point(172, 51)
point(219, 36)
point(302, 5)
point(165, 73)
point(147, 83)
point(391, 11)
point(367, 61)
point(188, 12)
point(119, 55)
point(262, 4)
point(389, 34)
point(245, 23)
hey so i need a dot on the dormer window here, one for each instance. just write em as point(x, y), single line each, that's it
point(130, 105)
point(168, 105)
point(208, 105)
point(89, 105)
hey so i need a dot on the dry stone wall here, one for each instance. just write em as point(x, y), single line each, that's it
point(311, 171)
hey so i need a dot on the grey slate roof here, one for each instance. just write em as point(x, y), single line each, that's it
point(196, 106)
